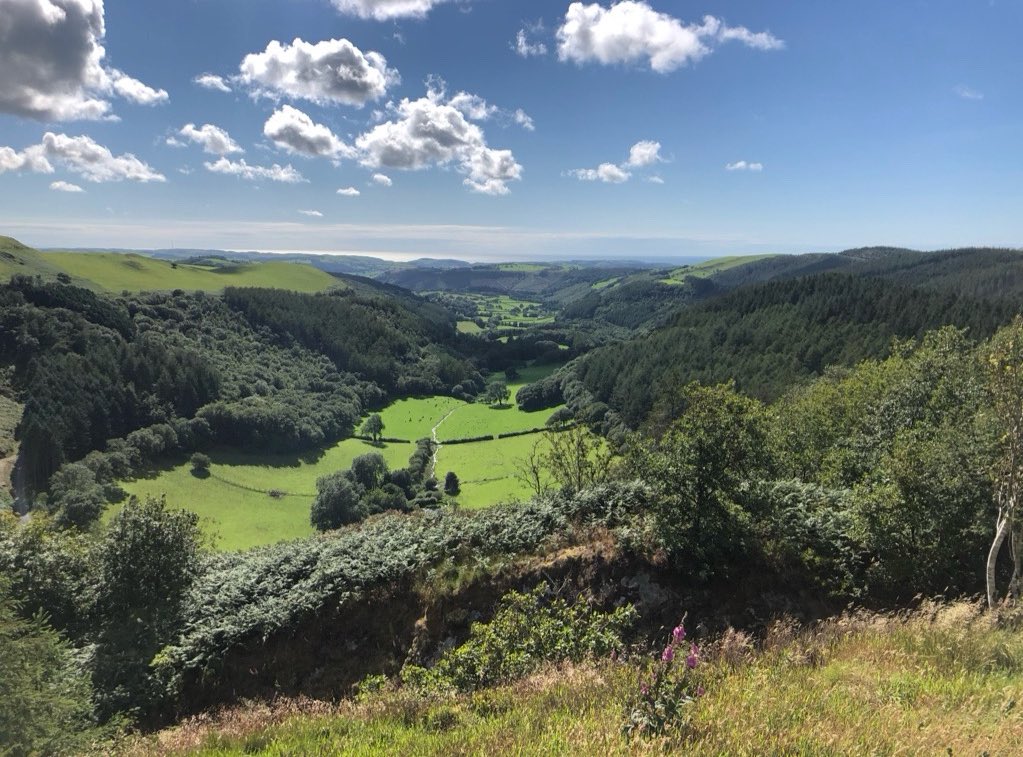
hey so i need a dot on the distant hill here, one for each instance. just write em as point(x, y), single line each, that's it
point(124, 271)
point(359, 265)
point(17, 258)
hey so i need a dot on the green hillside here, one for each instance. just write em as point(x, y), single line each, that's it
point(16, 258)
point(117, 272)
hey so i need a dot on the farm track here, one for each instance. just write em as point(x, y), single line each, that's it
point(436, 443)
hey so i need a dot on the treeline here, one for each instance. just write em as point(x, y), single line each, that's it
point(768, 337)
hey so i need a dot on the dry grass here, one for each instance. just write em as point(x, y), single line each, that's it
point(943, 679)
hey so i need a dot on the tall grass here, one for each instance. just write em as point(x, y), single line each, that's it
point(944, 679)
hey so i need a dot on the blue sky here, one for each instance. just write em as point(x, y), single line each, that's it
point(779, 127)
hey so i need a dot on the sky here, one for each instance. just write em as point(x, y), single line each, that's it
point(511, 129)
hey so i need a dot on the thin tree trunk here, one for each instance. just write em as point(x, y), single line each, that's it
point(992, 558)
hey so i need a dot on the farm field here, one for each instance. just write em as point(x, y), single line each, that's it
point(710, 267)
point(233, 502)
point(501, 311)
point(118, 272)
point(238, 512)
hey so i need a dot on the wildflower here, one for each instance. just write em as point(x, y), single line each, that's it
point(668, 654)
point(693, 657)
point(678, 634)
point(644, 689)
point(699, 691)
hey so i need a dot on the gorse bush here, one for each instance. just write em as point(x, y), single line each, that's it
point(527, 631)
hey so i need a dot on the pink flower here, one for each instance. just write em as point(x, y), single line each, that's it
point(693, 657)
point(668, 654)
point(699, 691)
point(644, 689)
point(678, 633)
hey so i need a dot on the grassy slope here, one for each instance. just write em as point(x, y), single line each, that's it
point(710, 267)
point(239, 513)
point(937, 684)
point(16, 258)
point(233, 502)
point(117, 272)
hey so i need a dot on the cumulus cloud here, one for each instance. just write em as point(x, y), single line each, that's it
point(641, 155)
point(212, 81)
point(311, 213)
point(644, 153)
point(742, 165)
point(631, 31)
point(64, 186)
point(432, 131)
point(284, 174)
point(294, 131)
point(382, 10)
point(608, 173)
point(381, 180)
point(329, 72)
point(968, 93)
point(51, 62)
point(213, 139)
point(349, 192)
point(523, 119)
point(80, 155)
point(524, 43)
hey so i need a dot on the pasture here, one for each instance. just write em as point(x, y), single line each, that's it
point(237, 510)
point(118, 272)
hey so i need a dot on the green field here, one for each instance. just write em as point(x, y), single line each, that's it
point(17, 259)
point(499, 311)
point(710, 267)
point(118, 272)
point(468, 327)
point(238, 512)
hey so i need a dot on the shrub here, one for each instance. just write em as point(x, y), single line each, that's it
point(200, 463)
point(338, 502)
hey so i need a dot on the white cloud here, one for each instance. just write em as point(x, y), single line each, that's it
point(631, 31)
point(432, 131)
point(136, 91)
point(64, 186)
point(212, 81)
point(527, 48)
point(473, 107)
point(213, 139)
point(294, 131)
point(349, 192)
point(284, 174)
point(523, 119)
point(381, 180)
point(742, 165)
point(655, 179)
point(608, 173)
point(311, 213)
point(329, 72)
point(968, 93)
point(382, 10)
point(80, 155)
point(644, 153)
point(641, 155)
point(51, 62)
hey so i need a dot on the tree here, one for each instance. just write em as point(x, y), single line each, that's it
point(497, 393)
point(576, 459)
point(373, 427)
point(387, 497)
point(338, 502)
point(532, 470)
point(200, 464)
point(452, 486)
point(148, 560)
point(369, 470)
point(1005, 376)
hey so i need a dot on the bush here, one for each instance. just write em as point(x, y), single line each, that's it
point(200, 463)
point(527, 631)
point(338, 502)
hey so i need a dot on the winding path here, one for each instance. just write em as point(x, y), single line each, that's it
point(436, 443)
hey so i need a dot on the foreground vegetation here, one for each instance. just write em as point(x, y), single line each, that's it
point(943, 677)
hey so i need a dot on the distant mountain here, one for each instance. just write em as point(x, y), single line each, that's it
point(361, 265)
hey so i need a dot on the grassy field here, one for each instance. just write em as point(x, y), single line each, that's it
point(118, 272)
point(501, 311)
point(710, 267)
point(945, 681)
point(468, 327)
point(238, 512)
point(234, 503)
point(16, 258)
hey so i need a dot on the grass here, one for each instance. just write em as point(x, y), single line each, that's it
point(710, 267)
point(16, 258)
point(468, 327)
point(233, 502)
point(237, 511)
point(945, 680)
point(119, 272)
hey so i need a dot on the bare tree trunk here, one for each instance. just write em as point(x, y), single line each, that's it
point(992, 558)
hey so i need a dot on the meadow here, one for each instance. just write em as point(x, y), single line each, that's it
point(710, 267)
point(237, 510)
point(944, 680)
point(118, 272)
